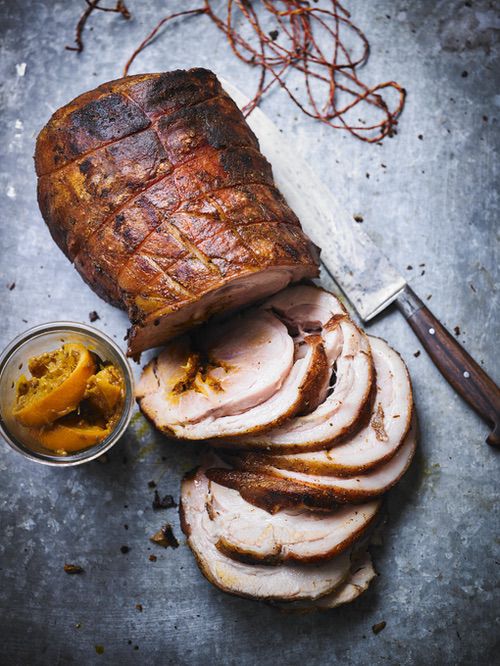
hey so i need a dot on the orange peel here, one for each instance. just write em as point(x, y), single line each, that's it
point(57, 386)
point(105, 391)
point(72, 435)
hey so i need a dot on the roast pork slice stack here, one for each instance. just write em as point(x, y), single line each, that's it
point(298, 559)
point(284, 508)
point(154, 187)
point(289, 582)
point(251, 534)
point(243, 376)
point(327, 348)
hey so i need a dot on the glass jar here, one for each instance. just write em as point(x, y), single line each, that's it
point(45, 338)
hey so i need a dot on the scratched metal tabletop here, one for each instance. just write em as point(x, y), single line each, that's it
point(429, 197)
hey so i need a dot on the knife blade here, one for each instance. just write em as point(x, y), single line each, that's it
point(363, 272)
point(356, 264)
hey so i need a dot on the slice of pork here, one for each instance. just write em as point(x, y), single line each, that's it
point(299, 388)
point(307, 308)
point(244, 375)
point(361, 575)
point(374, 444)
point(232, 367)
point(288, 582)
point(250, 534)
point(272, 488)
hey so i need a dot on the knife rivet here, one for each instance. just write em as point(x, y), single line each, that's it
point(432, 331)
point(466, 375)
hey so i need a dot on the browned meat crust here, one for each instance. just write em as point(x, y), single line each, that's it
point(271, 493)
point(154, 187)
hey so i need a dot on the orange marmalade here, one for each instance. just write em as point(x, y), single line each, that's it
point(72, 400)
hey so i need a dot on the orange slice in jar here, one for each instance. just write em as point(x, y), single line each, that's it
point(57, 386)
point(73, 434)
point(105, 392)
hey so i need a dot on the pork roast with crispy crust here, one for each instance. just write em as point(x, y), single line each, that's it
point(154, 187)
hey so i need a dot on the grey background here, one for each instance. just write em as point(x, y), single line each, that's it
point(434, 203)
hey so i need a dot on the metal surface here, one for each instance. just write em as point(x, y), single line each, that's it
point(349, 255)
point(430, 203)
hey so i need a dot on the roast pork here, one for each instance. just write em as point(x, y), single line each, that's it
point(378, 441)
point(248, 533)
point(287, 582)
point(244, 375)
point(270, 487)
point(154, 187)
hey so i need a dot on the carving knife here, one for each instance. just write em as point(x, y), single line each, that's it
point(362, 271)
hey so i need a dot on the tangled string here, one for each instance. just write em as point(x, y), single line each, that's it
point(307, 50)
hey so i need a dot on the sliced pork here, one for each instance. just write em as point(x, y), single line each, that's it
point(308, 308)
point(288, 522)
point(360, 576)
point(232, 367)
point(374, 444)
point(270, 487)
point(288, 582)
point(300, 387)
point(244, 375)
point(248, 533)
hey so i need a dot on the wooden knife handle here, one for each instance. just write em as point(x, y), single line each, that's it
point(467, 378)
